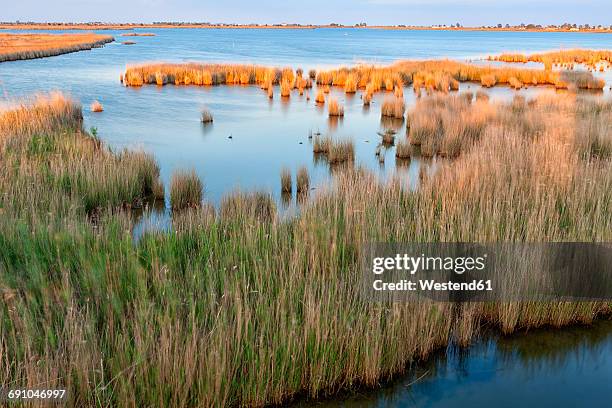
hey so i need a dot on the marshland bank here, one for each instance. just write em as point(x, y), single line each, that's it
point(225, 284)
point(15, 47)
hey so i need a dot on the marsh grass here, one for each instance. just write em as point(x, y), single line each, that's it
point(393, 107)
point(240, 309)
point(341, 151)
point(206, 116)
point(320, 98)
point(29, 46)
point(403, 149)
point(321, 144)
point(185, 190)
point(334, 108)
point(303, 180)
point(286, 183)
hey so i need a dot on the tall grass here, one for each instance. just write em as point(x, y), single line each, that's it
point(206, 116)
point(393, 107)
point(286, 183)
point(334, 107)
point(29, 46)
point(204, 74)
point(185, 190)
point(303, 180)
point(236, 308)
point(590, 58)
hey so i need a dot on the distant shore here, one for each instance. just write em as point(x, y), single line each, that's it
point(131, 26)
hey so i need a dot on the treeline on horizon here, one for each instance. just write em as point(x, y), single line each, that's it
point(498, 26)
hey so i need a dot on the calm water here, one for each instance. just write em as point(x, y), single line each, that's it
point(545, 368)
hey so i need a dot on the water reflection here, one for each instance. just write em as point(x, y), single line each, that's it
point(568, 367)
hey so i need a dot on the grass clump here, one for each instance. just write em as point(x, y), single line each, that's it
point(303, 180)
point(96, 107)
point(185, 190)
point(334, 107)
point(341, 151)
point(206, 116)
point(320, 145)
point(320, 97)
point(286, 183)
point(393, 108)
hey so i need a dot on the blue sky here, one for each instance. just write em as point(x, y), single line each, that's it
point(425, 12)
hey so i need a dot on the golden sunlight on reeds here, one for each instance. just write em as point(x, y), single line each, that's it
point(204, 74)
point(29, 46)
point(562, 58)
point(334, 107)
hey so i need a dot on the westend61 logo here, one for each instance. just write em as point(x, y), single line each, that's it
point(413, 264)
point(461, 272)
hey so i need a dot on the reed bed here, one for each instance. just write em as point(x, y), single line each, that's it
point(238, 309)
point(563, 58)
point(15, 47)
point(320, 98)
point(434, 125)
point(439, 76)
point(403, 149)
point(205, 75)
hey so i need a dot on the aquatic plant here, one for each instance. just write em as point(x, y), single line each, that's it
point(303, 180)
point(341, 151)
point(334, 107)
point(403, 149)
point(185, 190)
point(96, 106)
point(286, 183)
point(206, 116)
point(393, 107)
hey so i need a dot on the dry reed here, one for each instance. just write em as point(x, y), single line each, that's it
point(29, 46)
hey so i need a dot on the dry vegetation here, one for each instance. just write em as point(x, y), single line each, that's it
point(185, 190)
point(216, 74)
point(562, 58)
point(286, 183)
point(431, 76)
point(234, 307)
point(15, 47)
point(334, 107)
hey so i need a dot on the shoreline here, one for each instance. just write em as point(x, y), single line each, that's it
point(132, 26)
point(16, 47)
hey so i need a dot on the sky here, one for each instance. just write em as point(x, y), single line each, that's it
point(383, 12)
